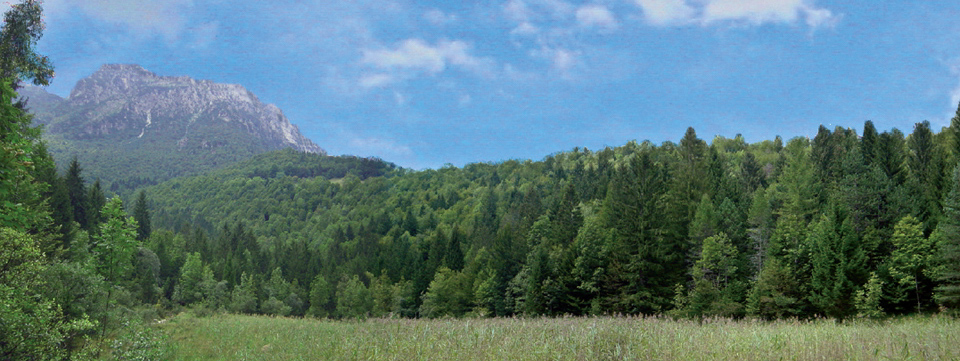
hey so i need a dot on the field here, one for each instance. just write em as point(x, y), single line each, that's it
point(233, 337)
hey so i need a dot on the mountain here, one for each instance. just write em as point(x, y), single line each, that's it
point(127, 125)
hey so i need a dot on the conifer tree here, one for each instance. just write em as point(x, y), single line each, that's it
point(948, 261)
point(142, 215)
point(838, 265)
point(924, 163)
point(96, 200)
point(79, 197)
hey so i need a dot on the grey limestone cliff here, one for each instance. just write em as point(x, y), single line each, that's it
point(127, 101)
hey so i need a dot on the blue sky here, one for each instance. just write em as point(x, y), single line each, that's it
point(425, 83)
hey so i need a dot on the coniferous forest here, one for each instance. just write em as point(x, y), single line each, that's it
point(849, 224)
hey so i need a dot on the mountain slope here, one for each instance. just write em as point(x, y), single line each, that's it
point(129, 126)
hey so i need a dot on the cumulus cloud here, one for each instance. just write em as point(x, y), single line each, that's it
point(666, 12)
point(763, 11)
point(678, 12)
point(596, 16)
point(416, 54)
point(143, 17)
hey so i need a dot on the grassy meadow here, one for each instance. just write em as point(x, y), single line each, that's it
point(235, 337)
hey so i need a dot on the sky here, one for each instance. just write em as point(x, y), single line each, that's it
point(429, 83)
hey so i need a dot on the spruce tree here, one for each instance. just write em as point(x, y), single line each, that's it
point(948, 273)
point(96, 200)
point(77, 191)
point(142, 215)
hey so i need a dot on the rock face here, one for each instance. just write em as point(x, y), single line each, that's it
point(127, 125)
point(127, 102)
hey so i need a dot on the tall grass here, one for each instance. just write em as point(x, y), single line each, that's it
point(233, 337)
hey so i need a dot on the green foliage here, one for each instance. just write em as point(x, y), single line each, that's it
point(947, 261)
point(867, 299)
point(838, 264)
point(22, 28)
point(716, 291)
point(449, 295)
point(31, 325)
point(908, 263)
point(353, 298)
point(142, 215)
point(116, 243)
point(321, 295)
point(776, 293)
point(19, 194)
point(191, 274)
point(79, 201)
point(581, 232)
point(136, 341)
point(243, 298)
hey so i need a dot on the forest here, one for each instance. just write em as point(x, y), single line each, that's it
point(844, 225)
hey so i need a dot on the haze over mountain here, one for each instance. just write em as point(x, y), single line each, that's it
point(124, 122)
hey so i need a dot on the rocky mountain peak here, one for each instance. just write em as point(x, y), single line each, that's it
point(126, 100)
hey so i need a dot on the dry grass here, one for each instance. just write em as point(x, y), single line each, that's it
point(233, 337)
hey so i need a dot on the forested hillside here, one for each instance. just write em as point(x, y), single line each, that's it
point(842, 225)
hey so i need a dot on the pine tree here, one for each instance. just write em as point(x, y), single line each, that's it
point(924, 163)
point(142, 214)
point(948, 261)
point(869, 143)
point(97, 200)
point(800, 189)
point(838, 265)
point(77, 191)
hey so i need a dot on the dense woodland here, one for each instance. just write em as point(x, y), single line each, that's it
point(843, 225)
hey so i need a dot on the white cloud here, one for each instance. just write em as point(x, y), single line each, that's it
point(820, 17)
point(596, 16)
point(666, 12)
point(416, 54)
point(439, 18)
point(166, 18)
point(525, 29)
point(376, 80)
point(563, 59)
point(538, 10)
point(763, 11)
point(517, 10)
point(706, 12)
